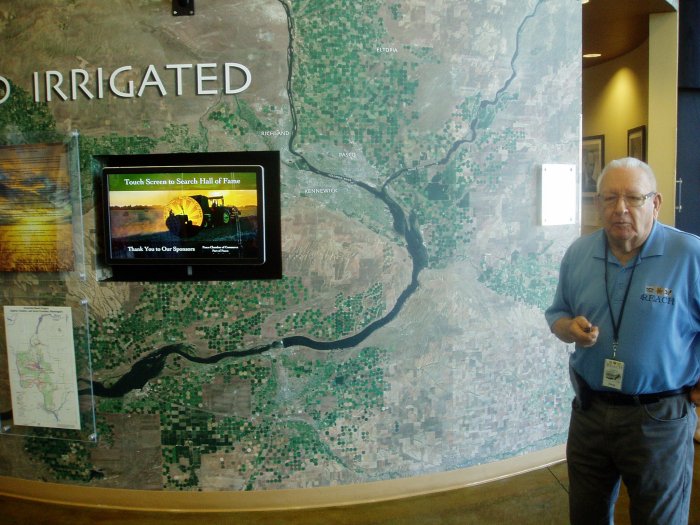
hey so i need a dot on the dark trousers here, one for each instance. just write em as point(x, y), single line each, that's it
point(648, 447)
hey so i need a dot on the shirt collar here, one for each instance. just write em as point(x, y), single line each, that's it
point(654, 244)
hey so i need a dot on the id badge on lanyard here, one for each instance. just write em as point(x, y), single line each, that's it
point(612, 374)
point(614, 370)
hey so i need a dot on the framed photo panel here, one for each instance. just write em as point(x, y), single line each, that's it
point(637, 143)
point(593, 160)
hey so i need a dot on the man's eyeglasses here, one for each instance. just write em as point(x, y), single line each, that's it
point(633, 201)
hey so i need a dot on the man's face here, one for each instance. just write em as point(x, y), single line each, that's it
point(627, 226)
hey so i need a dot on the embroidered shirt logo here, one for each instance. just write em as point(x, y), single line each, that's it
point(658, 294)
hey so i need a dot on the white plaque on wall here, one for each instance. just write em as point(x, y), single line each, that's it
point(559, 194)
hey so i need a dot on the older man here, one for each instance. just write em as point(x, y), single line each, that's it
point(628, 298)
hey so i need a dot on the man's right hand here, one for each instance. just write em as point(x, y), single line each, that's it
point(577, 330)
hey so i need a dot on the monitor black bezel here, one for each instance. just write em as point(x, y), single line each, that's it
point(269, 266)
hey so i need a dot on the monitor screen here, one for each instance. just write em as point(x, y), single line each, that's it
point(191, 211)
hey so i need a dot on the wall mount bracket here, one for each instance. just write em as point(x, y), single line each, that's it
point(183, 7)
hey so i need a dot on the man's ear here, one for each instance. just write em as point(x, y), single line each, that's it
point(658, 199)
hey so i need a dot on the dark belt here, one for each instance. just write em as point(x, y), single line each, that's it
point(617, 398)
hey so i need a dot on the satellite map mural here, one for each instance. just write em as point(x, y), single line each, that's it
point(406, 335)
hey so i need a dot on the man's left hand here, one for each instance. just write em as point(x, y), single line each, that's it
point(694, 394)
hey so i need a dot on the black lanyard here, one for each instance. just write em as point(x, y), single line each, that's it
point(617, 323)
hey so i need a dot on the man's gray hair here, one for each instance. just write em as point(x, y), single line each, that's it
point(627, 162)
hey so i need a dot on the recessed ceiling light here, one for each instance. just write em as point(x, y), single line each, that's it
point(584, 1)
point(592, 55)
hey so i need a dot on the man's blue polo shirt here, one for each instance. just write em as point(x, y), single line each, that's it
point(659, 340)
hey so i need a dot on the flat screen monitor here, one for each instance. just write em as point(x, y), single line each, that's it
point(191, 216)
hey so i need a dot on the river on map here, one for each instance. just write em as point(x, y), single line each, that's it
point(150, 366)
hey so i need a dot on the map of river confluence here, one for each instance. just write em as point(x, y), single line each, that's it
point(406, 335)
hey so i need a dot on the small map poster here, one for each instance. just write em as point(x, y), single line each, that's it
point(36, 232)
point(41, 359)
